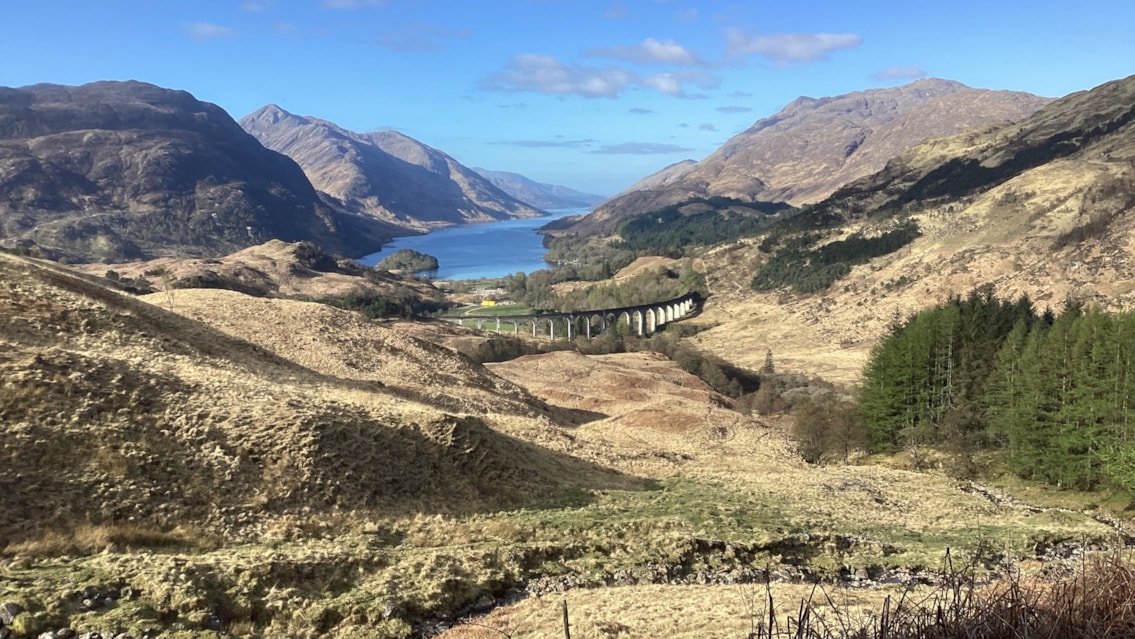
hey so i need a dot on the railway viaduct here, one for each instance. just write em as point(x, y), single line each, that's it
point(643, 320)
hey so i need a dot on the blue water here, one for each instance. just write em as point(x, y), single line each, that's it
point(475, 251)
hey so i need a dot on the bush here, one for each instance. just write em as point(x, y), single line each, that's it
point(827, 430)
point(315, 258)
point(402, 302)
point(408, 260)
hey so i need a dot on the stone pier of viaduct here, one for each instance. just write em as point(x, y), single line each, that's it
point(642, 320)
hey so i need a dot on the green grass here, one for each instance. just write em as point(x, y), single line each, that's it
point(503, 309)
point(312, 577)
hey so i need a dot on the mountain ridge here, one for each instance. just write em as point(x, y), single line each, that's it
point(384, 175)
point(541, 195)
point(122, 170)
point(1041, 207)
point(813, 146)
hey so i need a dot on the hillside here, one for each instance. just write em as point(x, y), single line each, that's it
point(271, 467)
point(384, 175)
point(1042, 207)
point(814, 146)
point(274, 268)
point(538, 194)
point(664, 176)
point(158, 418)
point(124, 170)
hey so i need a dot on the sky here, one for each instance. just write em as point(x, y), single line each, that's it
point(590, 94)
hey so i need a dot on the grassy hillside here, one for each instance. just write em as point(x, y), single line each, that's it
point(253, 466)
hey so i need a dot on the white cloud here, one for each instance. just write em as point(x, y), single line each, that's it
point(909, 72)
point(651, 51)
point(545, 74)
point(706, 127)
point(786, 48)
point(205, 31)
point(674, 83)
point(734, 109)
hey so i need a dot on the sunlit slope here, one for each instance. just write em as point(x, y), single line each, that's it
point(119, 411)
point(1042, 207)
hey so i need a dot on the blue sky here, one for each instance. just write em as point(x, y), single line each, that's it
point(592, 94)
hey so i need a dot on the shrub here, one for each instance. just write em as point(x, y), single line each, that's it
point(827, 430)
point(315, 258)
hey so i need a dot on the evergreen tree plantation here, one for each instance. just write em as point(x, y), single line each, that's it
point(1052, 393)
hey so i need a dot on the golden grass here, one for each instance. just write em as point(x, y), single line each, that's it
point(663, 474)
point(92, 539)
point(1095, 602)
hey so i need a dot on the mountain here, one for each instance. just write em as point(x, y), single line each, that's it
point(1042, 207)
point(813, 146)
point(538, 194)
point(122, 170)
point(385, 175)
point(1089, 136)
point(660, 178)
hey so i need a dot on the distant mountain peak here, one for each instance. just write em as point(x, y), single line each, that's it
point(539, 194)
point(386, 175)
point(813, 146)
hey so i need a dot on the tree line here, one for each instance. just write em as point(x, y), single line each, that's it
point(536, 289)
point(806, 266)
point(668, 231)
point(1055, 394)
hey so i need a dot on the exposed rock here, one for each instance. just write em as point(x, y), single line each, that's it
point(8, 612)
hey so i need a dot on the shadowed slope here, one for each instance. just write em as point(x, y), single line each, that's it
point(121, 170)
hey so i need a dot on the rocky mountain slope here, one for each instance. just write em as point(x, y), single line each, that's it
point(538, 194)
point(813, 146)
point(384, 175)
point(1043, 207)
point(122, 170)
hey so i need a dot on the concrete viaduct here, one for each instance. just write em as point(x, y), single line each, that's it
point(644, 319)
